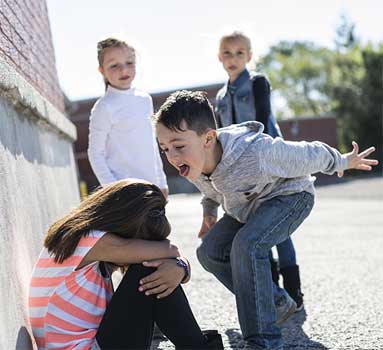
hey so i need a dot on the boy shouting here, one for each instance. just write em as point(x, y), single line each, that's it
point(266, 191)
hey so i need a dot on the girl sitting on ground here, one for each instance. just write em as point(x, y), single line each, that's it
point(72, 303)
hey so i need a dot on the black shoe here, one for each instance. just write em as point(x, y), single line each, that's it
point(214, 339)
point(292, 284)
point(213, 342)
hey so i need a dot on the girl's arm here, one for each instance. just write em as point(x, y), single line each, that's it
point(262, 101)
point(99, 128)
point(261, 93)
point(122, 251)
point(168, 275)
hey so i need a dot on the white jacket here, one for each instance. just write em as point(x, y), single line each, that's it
point(122, 142)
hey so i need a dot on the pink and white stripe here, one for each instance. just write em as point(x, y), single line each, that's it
point(66, 305)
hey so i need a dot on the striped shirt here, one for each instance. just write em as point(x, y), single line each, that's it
point(66, 305)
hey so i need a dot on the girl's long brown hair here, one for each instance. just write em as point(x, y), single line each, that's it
point(127, 208)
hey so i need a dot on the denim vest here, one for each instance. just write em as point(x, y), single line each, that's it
point(243, 100)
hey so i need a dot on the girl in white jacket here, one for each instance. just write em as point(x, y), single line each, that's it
point(121, 136)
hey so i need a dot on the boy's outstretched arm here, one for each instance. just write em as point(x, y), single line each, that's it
point(358, 160)
point(290, 159)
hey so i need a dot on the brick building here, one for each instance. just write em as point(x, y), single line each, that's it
point(323, 129)
point(37, 166)
point(26, 44)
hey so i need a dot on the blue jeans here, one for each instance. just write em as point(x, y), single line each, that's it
point(238, 255)
point(286, 253)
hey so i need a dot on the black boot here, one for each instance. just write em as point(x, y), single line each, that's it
point(213, 341)
point(292, 284)
point(274, 271)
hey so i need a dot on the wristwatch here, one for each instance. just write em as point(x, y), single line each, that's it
point(185, 266)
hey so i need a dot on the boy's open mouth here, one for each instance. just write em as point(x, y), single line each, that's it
point(184, 170)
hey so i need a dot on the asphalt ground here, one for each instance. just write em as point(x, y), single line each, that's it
point(340, 254)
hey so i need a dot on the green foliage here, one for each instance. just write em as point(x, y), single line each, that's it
point(346, 82)
point(358, 95)
point(299, 72)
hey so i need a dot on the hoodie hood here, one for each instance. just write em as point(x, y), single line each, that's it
point(235, 139)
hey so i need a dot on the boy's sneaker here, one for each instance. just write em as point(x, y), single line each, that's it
point(298, 298)
point(285, 307)
point(213, 342)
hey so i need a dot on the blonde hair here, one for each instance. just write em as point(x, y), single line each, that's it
point(107, 44)
point(234, 36)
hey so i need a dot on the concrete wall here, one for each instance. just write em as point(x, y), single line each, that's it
point(38, 178)
point(38, 184)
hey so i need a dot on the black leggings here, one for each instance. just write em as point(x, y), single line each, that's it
point(130, 315)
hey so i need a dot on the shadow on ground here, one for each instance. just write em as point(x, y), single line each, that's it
point(294, 337)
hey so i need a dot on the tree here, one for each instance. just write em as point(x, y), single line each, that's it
point(345, 37)
point(357, 92)
point(346, 82)
point(299, 72)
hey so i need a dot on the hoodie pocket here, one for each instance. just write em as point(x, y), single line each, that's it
point(246, 195)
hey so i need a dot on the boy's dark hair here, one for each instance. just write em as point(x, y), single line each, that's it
point(125, 208)
point(191, 106)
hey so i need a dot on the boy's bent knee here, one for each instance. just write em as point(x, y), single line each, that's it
point(244, 245)
point(202, 255)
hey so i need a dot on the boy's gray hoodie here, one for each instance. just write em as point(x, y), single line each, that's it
point(255, 167)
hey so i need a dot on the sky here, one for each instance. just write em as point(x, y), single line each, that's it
point(177, 40)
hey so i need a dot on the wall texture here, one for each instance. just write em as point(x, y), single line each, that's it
point(37, 167)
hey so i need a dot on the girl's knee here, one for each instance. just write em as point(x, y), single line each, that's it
point(137, 271)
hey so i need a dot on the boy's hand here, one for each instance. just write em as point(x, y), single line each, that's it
point(207, 223)
point(164, 280)
point(358, 160)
